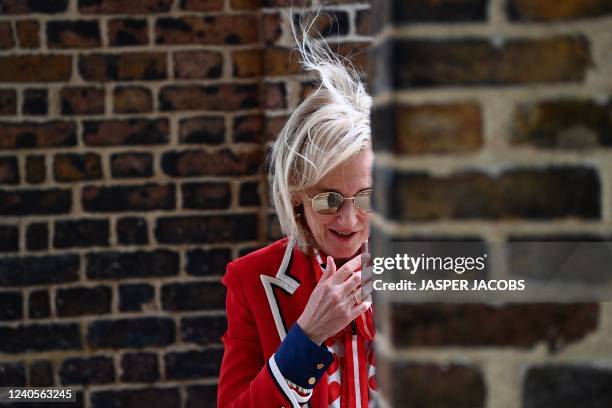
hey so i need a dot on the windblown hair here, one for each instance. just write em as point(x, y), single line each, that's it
point(326, 129)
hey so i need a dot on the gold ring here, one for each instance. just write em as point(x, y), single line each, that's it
point(357, 301)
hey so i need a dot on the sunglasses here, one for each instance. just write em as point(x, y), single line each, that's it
point(330, 202)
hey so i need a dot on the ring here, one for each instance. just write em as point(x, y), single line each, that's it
point(357, 301)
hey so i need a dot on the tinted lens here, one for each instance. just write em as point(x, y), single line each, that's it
point(327, 203)
point(363, 200)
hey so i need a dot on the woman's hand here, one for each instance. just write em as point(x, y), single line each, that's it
point(332, 305)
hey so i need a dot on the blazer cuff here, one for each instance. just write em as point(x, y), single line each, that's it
point(301, 360)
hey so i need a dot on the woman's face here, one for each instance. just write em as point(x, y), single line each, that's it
point(349, 178)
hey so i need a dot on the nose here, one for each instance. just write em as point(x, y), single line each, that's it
point(348, 216)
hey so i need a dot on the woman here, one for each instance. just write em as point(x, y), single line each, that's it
point(300, 332)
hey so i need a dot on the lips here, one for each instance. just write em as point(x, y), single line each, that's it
point(343, 235)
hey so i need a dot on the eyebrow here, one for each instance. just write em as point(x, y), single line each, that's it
point(331, 190)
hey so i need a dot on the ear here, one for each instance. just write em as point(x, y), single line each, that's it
point(296, 199)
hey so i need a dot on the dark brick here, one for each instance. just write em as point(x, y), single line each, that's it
point(142, 397)
point(12, 374)
point(9, 238)
point(136, 298)
point(33, 6)
point(82, 100)
point(36, 169)
point(228, 97)
point(249, 194)
point(127, 165)
point(77, 167)
point(203, 129)
point(206, 195)
point(247, 63)
point(193, 364)
point(30, 270)
point(201, 394)
point(203, 330)
point(363, 22)
point(6, 35)
point(202, 5)
point(78, 301)
point(27, 135)
point(81, 233)
point(28, 33)
point(127, 31)
point(137, 264)
point(131, 66)
point(41, 374)
point(223, 162)
point(206, 229)
point(198, 64)
point(9, 171)
point(273, 228)
point(437, 11)
point(131, 333)
point(132, 230)
point(132, 99)
point(73, 34)
point(23, 202)
point(37, 237)
point(35, 102)
point(565, 386)
point(207, 262)
point(145, 197)
point(275, 96)
point(249, 128)
point(558, 192)
point(39, 337)
point(39, 304)
point(193, 296)
point(87, 370)
point(35, 68)
point(329, 24)
point(11, 306)
point(273, 126)
point(124, 7)
point(210, 30)
point(550, 10)
point(139, 367)
point(8, 102)
point(487, 326)
point(126, 132)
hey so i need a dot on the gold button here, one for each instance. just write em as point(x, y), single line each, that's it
point(312, 380)
point(320, 366)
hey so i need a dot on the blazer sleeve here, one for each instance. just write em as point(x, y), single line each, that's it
point(247, 379)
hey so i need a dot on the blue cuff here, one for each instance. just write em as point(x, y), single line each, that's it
point(300, 360)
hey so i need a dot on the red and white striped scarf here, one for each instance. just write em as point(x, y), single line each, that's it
point(352, 374)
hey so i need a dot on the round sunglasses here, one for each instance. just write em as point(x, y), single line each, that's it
point(329, 203)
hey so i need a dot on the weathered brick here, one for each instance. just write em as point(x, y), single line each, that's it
point(36, 169)
point(248, 128)
point(35, 68)
point(124, 7)
point(224, 162)
point(132, 99)
point(87, 370)
point(82, 100)
point(203, 330)
point(41, 374)
point(249, 194)
point(201, 394)
point(548, 10)
point(202, 129)
point(77, 167)
point(12, 374)
point(39, 304)
point(25, 202)
point(202, 5)
point(81, 233)
point(35, 102)
point(9, 238)
point(131, 333)
point(566, 385)
point(27, 7)
point(37, 236)
point(271, 27)
point(11, 306)
point(247, 63)
point(139, 367)
point(563, 124)
point(27, 135)
point(213, 97)
point(281, 61)
point(273, 127)
point(245, 4)
point(30, 270)
point(556, 192)
point(426, 129)
point(127, 31)
point(8, 102)
point(28, 33)
point(136, 298)
point(206, 229)
point(126, 132)
point(141, 397)
point(182, 365)
point(210, 30)
point(136, 264)
point(131, 66)
point(363, 22)
point(330, 23)
point(193, 296)
point(132, 230)
point(206, 195)
point(198, 64)
point(6, 35)
point(145, 197)
point(9, 171)
point(207, 262)
point(275, 95)
point(125, 165)
point(73, 34)
point(39, 337)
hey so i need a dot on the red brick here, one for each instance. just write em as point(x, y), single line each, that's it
point(127, 31)
point(25, 135)
point(223, 162)
point(28, 33)
point(213, 30)
point(124, 7)
point(556, 10)
point(272, 27)
point(247, 63)
point(274, 126)
point(126, 132)
point(202, 5)
point(248, 128)
point(6, 36)
point(275, 96)
point(131, 165)
point(132, 99)
point(245, 4)
point(198, 64)
point(8, 102)
point(123, 67)
point(281, 61)
point(205, 129)
point(82, 100)
point(214, 97)
point(35, 68)
point(73, 34)
point(77, 167)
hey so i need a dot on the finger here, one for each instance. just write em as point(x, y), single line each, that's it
point(352, 283)
point(347, 269)
point(358, 309)
point(329, 270)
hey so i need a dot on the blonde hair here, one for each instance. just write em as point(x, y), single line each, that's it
point(327, 128)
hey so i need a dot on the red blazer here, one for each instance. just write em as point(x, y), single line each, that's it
point(267, 291)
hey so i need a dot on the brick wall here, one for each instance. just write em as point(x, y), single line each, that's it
point(132, 139)
point(492, 121)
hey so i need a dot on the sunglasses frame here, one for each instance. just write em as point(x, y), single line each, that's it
point(361, 210)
